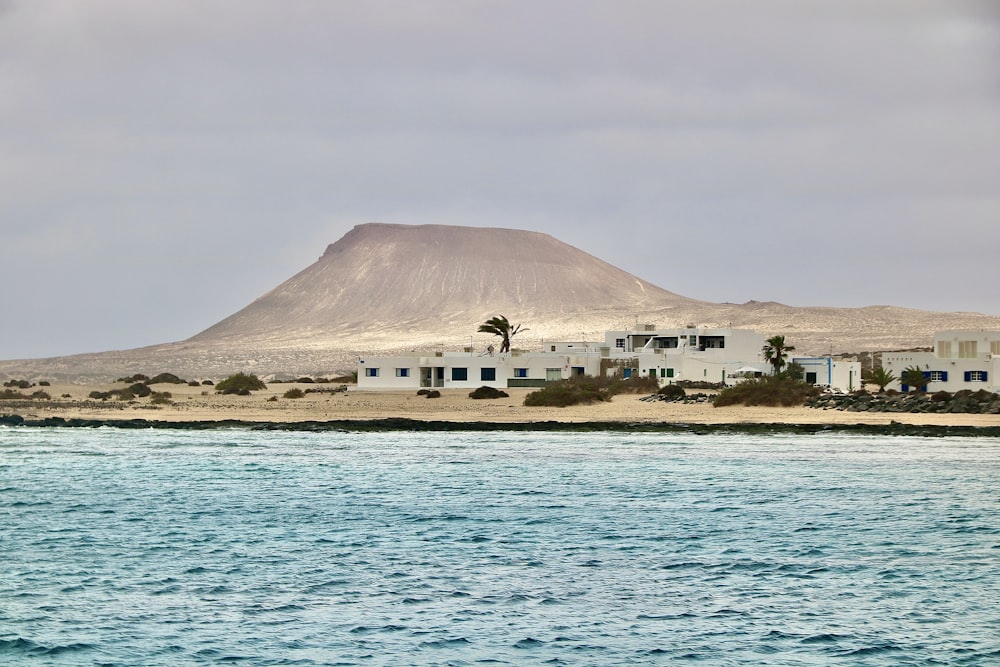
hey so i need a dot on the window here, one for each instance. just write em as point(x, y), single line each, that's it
point(402, 372)
point(967, 349)
point(371, 372)
point(995, 348)
point(938, 376)
point(975, 376)
point(459, 374)
point(944, 349)
point(488, 374)
point(520, 372)
point(620, 343)
point(670, 372)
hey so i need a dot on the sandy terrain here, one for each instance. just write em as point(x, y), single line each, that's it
point(203, 404)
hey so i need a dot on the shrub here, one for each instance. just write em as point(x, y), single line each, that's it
point(637, 384)
point(10, 394)
point(433, 393)
point(294, 393)
point(488, 392)
point(165, 378)
point(240, 384)
point(141, 390)
point(305, 380)
point(939, 396)
point(138, 377)
point(42, 395)
point(19, 384)
point(672, 392)
point(207, 383)
point(44, 383)
point(194, 383)
point(575, 391)
point(767, 390)
point(161, 398)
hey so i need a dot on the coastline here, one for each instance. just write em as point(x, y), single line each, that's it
point(201, 408)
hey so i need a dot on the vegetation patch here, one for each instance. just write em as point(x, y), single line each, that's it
point(770, 390)
point(240, 384)
point(582, 390)
point(14, 395)
point(488, 392)
point(295, 392)
point(672, 392)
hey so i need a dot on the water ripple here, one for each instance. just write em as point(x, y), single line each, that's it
point(163, 548)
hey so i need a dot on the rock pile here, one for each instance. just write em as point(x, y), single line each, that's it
point(966, 401)
point(689, 398)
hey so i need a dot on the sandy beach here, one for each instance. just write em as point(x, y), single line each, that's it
point(202, 403)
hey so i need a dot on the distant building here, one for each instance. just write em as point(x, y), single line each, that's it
point(960, 359)
point(673, 355)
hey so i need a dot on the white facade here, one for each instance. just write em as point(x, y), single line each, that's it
point(465, 370)
point(829, 372)
point(671, 355)
point(961, 359)
point(691, 354)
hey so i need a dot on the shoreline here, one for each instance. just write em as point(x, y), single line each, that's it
point(394, 424)
point(200, 407)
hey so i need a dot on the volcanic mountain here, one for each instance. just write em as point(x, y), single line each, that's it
point(389, 288)
point(403, 284)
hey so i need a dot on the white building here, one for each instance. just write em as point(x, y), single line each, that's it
point(670, 355)
point(691, 354)
point(828, 372)
point(961, 359)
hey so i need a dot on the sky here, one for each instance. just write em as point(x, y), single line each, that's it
point(164, 162)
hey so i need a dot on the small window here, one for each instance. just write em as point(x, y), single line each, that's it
point(670, 372)
point(995, 348)
point(402, 372)
point(459, 374)
point(967, 349)
point(371, 372)
point(938, 376)
point(620, 343)
point(944, 349)
point(975, 376)
point(520, 372)
point(488, 374)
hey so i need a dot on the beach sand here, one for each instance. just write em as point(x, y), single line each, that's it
point(203, 404)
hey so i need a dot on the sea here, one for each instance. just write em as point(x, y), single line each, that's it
point(234, 546)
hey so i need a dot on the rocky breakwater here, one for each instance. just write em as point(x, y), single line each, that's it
point(967, 402)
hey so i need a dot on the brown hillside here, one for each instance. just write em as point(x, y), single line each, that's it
point(438, 280)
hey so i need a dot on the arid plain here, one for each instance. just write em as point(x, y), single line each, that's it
point(70, 401)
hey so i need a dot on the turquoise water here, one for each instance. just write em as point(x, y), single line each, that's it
point(173, 548)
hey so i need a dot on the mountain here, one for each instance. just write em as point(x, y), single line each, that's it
point(388, 288)
point(402, 283)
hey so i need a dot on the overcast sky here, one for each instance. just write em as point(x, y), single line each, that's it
point(166, 162)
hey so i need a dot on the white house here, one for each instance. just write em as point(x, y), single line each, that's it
point(670, 355)
point(834, 373)
point(960, 359)
point(716, 355)
point(691, 353)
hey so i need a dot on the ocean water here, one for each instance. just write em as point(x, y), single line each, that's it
point(231, 546)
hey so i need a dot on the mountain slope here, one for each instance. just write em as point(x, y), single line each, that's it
point(426, 279)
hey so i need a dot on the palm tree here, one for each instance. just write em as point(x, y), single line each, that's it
point(915, 378)
point(880, 377)
point(775, 352)
point(500, 326)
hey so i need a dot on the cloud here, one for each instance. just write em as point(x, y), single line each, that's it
point(206, 149)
